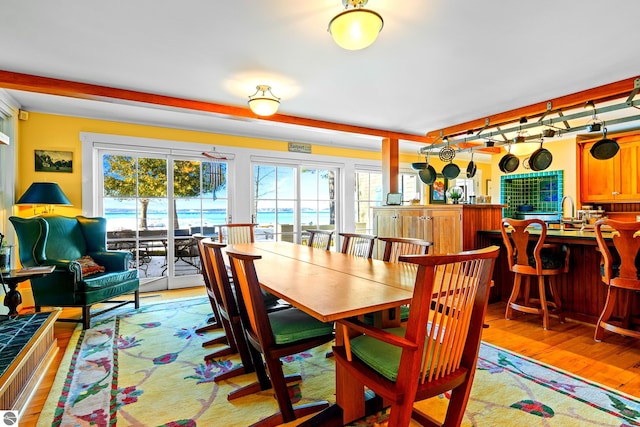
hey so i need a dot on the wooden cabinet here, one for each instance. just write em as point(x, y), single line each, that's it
point(451, 228)
point(613, 180)
point(440, 226)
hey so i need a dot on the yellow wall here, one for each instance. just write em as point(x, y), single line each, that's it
point(62, 133)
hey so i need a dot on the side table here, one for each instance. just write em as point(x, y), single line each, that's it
point(12, 278)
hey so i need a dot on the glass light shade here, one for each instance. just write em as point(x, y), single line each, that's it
point(355, 29)
point(524, 148)
point(264, 102)
point(264, 106)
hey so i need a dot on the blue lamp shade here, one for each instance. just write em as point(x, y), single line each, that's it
point(43, 193)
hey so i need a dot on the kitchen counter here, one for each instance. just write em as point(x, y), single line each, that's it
point(581, 290)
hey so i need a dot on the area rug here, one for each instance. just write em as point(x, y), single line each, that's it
point(145, 367)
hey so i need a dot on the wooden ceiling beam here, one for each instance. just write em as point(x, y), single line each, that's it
point(51, 86)
point(608, 92)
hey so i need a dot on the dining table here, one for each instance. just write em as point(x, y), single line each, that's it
point(331, 286)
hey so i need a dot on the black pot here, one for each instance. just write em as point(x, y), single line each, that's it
point(540, 159)
point(451, 171)
point(606, 148)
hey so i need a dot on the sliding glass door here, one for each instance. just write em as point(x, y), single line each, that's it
point(290, 199)
point(160, 223)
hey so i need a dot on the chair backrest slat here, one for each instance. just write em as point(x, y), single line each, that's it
point(394, 247)
point(320, 238)
point(236, 233)
point(360, 245)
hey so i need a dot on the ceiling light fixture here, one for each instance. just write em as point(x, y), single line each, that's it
point(357, 28)
point(264, 102)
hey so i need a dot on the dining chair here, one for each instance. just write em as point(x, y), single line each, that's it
point(434, 352)
point(394, 247)
point(620, 271)
point(274, 335)
point(360, 245)
point(320, 238)
point(221, 292)
point(213, 322)
point(528, 259)
point(236, 233)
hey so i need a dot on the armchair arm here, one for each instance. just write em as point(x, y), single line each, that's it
point(373, 332)
point(66, 266)
point(112, 260)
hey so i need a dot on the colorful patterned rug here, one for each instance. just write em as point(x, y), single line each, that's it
point(145, 368)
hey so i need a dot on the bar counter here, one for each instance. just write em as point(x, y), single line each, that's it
point(581, 290)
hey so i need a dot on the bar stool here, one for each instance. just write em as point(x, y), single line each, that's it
point(533, 258)
point(620, 272)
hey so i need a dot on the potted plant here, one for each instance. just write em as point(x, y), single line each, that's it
point(454, 194)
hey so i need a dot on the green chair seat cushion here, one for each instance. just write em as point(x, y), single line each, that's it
point(291, 325)
point(382, 357)
point(106, 280)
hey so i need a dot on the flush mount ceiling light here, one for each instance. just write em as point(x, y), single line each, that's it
point(264, 102)
point(357, 28)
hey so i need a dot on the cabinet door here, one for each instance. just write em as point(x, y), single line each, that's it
point(611, 180)
point(445, 230)
point(412, 223)
point(597, 177)
point(385, 222)
point(626, 177)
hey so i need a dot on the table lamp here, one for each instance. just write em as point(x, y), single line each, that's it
point(43, 193)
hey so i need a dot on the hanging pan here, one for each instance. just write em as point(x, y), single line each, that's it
point(606, 148)
point(509, 162)
point(428, 174)
point(540, 159)
point(471, 167)
point(451, 171)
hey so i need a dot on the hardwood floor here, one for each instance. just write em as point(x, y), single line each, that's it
point(614, 362)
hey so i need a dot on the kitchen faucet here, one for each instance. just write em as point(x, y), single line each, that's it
point(573, 209)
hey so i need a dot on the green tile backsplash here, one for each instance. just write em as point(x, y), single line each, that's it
point(542, 190)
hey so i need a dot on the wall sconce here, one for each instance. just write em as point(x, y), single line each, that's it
point(356, 28)
point(264, 102)
point(43, 193)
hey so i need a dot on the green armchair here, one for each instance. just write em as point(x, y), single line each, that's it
point(86, 272)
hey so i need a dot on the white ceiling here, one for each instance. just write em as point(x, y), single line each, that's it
point(435, 64)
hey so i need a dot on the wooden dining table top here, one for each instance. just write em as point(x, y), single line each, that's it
point(330, 285)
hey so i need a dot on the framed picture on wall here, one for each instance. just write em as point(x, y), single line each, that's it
point(438, 190)
point(53, 161)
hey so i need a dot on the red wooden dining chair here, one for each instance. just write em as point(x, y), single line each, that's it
point(213, 322)
point(221, 293)
point(394, 247)
point(436, 351)
point(358, 244)
point(274, 335)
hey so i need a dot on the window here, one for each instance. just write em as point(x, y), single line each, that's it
point(291, 198)
point(368, 194)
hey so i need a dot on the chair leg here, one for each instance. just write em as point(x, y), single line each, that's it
point(555, 296)
point(514, 296)
point(543, 302)
point(137, 298)
point(609, 305)
point(86, 317)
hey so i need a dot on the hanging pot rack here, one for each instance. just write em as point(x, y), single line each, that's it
point(469, 141)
